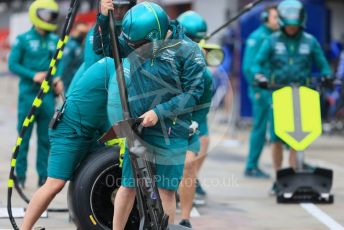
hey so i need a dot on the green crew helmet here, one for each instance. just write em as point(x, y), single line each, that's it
point(194, 25)
point(43, 14)
point(291, 13)
point(145, 22)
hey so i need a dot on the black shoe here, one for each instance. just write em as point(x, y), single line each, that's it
point(274, 190)
point(41, 181)
point(199, 190)
point(256, 173)
point(185, 223)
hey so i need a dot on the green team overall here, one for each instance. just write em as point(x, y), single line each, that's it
point(29, 59)
point(290, 53)
point(260, 98)
point(196, 29)
point(84, 120)
point(166, 82)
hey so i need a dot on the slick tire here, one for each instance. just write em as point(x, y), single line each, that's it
point(92, 191)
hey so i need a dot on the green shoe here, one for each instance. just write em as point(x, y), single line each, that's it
point(256, 173)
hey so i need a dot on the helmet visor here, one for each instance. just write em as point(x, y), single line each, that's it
point(47, 15)
point(134, 44)
point(137, 44)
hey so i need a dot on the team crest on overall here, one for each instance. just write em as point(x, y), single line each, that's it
point(280, 48)
point(304, 49)
point(34, 45)
point(52, 45)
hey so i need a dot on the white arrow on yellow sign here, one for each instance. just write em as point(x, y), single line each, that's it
point(297, 116)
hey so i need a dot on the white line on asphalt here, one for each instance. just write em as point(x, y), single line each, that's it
point(17, 213)
point(194, 212)
point(322, 217)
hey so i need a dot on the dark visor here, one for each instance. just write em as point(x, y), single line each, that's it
point(136, 44)
point(47, 15)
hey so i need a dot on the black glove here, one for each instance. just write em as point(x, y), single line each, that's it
point(262, 81)
point(327, 82)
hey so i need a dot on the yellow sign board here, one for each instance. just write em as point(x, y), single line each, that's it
point(297, 116)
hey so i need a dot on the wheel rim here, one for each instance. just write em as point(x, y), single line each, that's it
point(100, 198)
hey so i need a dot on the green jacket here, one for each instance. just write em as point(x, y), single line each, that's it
point(253, 43)
point(291, 58)
point(72, 59)
point(170, 83)
point(31, 53)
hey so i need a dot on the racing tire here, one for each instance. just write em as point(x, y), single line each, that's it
point(92, 190)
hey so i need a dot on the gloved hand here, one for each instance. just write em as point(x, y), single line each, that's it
point(261, 80)
point(193, 128)
point(327, 82)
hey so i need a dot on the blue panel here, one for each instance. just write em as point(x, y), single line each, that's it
point(316, 21)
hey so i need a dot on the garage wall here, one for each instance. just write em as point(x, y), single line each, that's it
point(337, 9)
point(217, 15)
